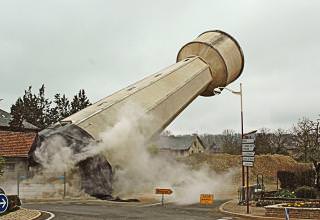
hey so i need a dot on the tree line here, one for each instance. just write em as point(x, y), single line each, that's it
point(301, 141)
point(41, 112)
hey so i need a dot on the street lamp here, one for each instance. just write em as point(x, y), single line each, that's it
point(218, 91)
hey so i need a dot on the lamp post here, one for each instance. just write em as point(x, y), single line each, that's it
point(218, 91)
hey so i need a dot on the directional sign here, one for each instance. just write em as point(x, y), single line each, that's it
point(248, 145)
point(248, 159)
point(163, 191)
point(206, 199)
point(248, 141)
point(248, 148)
point(247, 164)
point(248, 154)
point(3, 203)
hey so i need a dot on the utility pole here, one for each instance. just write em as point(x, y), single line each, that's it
point(218, 91)
point(241, 103)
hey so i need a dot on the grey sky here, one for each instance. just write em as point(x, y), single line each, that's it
point(102, 46)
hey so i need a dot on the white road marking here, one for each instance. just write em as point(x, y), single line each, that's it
point(50, 213)
point(225, 218)
point(153, 204)
point(149, 205)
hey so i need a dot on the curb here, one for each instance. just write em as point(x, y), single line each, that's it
point(37, 216)
point(51, 215)
point(221, 209)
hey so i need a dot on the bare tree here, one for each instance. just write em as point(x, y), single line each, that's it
point(231, 142)
point(305, 140)
point(263, 145)
point(278, 140)
point(306, 134)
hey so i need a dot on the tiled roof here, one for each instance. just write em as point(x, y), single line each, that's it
point(16, 144)
point(175, 142)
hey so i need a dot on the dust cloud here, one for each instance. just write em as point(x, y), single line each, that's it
point(137, 171)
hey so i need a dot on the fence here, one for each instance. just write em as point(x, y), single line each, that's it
point(44, 185)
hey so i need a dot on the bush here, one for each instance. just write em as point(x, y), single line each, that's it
point(306, 192)
point(305, 178)
point(287, 179)
point(284, 193)
point(291, 180)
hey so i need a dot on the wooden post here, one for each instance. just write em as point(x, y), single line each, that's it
point(277, 182)
point(247, 190)
point(162, 199)
point(64, 185)
point(18, 183)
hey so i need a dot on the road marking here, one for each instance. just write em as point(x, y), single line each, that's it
point(149, 205)
point(49, 213)
point(153, 204)
point(225, 218)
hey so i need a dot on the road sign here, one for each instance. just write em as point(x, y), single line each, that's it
point(248, 154)
point(206, 199)
point(248, 141)
point(3, 203)
point(247, 164)
point(248, 145)
point(248, 148)
point(248, 159)
point(163, 191)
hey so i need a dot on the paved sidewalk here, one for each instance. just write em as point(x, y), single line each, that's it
point(21, 214)
point(232, 207)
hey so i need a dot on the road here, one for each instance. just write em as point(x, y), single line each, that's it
point(93, 210)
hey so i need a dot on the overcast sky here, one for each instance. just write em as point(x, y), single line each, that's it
point(102, 46)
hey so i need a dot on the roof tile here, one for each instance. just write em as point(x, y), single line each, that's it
point(16, 143)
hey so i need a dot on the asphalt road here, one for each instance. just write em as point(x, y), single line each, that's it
point(88, 210)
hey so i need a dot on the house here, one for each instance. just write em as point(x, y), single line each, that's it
point(180, 145)
point(15, 145)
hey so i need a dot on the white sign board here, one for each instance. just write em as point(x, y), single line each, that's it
point(248, 154)
point(248, 159)
point(249, 148)
point(247, 141)
point(247, 164)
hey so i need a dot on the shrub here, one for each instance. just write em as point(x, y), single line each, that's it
point(305, 178)
point(287, 179)
point(291, 180)
point(306, 192)
point(284, 193)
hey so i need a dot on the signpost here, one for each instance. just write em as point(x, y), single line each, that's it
point(4, 203)
point(247, 164)
point(163, 191)
point(206, 199)
point(248, 153)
